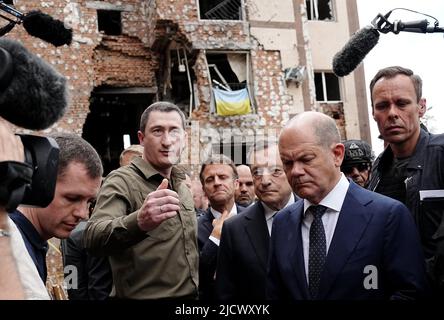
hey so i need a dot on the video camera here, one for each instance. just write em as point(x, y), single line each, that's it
point(33, 95)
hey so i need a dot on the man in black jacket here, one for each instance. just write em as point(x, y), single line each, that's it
point(411, 169)
point(219, 181)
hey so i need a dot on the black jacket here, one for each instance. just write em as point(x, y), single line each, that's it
point(243, 254)
point(425, 171)
point(93, 273)
point(207, 255)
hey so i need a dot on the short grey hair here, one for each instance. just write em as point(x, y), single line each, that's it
point(135, 148)
point(327, 133)
point(324, 128)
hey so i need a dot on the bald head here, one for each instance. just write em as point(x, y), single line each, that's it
point(311, 154)
point(243, 170)
point(320, 125)
point(134, 150)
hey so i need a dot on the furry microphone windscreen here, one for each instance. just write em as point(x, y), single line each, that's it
point(45, 27)
point(355, 50)
point(36, 96)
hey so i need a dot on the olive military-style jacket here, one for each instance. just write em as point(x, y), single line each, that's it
point(162, 263)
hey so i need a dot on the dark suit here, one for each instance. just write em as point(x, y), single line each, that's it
point(94, 273)
point(207, 255)
point(243, 253)
point(372, 230)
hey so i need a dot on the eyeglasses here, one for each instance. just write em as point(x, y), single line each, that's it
point(360, 166)
point(275, 171)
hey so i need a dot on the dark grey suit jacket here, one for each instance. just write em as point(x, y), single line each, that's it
point(243, 253)
point(207, 255)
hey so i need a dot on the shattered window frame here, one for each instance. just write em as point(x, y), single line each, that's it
point(248, 73)
point(329, 86)
point(317, 10)
point(220, 8)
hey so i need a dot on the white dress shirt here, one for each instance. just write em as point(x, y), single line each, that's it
point(333, 201)
point(216, 214)
point(270, 213)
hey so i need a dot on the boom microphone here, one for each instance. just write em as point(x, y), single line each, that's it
point(43, 26)
point(355, 50)
point(33, 95)
point(40, 25)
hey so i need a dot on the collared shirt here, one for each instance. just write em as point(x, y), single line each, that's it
point(36, 246)
point(333, 201)
point(161, 263)
point(270, 213)
point(216, 214)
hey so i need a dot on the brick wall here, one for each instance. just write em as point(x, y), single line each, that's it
point(124, 62)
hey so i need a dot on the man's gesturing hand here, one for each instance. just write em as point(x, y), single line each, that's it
point(218, 223)
point(158, 206)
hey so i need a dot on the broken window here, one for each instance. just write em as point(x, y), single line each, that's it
point(230, 71)
point(319, 9)
point(220, 9)
point(327, 87)
point(178, 78)
point(114, 113)
point(109, 22)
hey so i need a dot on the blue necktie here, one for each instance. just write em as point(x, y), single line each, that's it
point(317, 250)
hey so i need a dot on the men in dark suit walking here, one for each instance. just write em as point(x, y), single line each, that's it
point(243, 251)
point(219, 181)
point(341, 241)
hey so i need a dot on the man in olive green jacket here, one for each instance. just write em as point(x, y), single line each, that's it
point(144, 217)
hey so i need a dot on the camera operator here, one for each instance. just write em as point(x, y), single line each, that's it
point(33, 95)
point(11, 149)
point(78, 181)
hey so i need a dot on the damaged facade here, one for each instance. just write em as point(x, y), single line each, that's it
point(127, 54)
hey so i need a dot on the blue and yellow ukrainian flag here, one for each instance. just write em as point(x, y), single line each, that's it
point(230, 103)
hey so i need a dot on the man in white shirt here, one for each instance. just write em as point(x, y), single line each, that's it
point(32, 284)
point(341, 241)
point(243, 252)
point(11, 149)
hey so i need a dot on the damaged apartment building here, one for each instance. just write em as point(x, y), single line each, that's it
point(239, 69)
